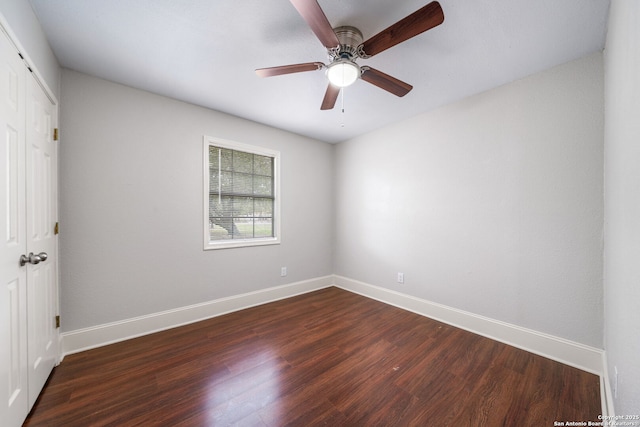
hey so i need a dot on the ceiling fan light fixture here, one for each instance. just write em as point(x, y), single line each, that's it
point(343, 72)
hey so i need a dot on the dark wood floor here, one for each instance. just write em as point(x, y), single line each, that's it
point(325, 358)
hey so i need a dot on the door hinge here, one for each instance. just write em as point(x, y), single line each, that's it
point(57, 321)
point(56, 228)
point(55, 134)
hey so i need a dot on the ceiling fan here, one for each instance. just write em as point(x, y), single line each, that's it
point(345, 44)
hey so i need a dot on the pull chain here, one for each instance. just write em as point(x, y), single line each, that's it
point(342, 96)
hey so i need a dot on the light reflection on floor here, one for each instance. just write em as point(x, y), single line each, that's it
point(254, 384)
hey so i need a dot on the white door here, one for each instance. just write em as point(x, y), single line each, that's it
point(42, 293)
point(28, 246)
point(13, 243)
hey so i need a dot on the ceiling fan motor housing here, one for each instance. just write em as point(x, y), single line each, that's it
point(350, 38)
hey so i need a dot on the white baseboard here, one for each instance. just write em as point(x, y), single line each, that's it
point(97, 336)
point(605, 389)
point(570, 353)
point(574, 354)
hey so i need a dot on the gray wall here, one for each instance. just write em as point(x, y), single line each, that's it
point(131, 205)
point(622, 203)
point(492, 205)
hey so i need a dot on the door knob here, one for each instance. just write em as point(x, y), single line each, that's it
point(32, 258)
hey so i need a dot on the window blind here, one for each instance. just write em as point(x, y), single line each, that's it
point(241, 195)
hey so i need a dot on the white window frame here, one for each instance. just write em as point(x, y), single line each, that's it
point(238, 243)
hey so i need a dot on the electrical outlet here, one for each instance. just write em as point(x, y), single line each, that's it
point(283, 271)
point(400, 277)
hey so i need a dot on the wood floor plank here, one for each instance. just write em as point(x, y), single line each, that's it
point(329, 357)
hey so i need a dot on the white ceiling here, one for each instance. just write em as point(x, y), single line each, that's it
point(205, 52)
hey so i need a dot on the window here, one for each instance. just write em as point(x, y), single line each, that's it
point(241, 195)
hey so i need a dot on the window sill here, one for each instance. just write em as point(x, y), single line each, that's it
point(230, 244)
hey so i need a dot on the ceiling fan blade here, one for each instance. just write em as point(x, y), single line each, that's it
point(418, 22)
point(385, 81)
point(289, 69)
point(311, 12)
point(330, 97)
